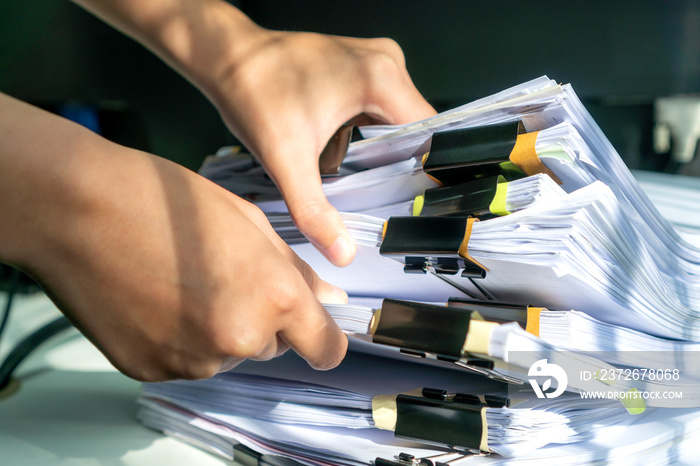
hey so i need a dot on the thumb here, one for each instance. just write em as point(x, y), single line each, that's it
point(315, 217)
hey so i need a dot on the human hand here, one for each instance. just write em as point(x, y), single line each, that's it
point(287, 96)
point(185, 280)
point(169, 275)
point(284, 94)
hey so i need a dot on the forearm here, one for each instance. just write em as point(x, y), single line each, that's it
point(60, 185)
point(38, 152)
point(200, 39)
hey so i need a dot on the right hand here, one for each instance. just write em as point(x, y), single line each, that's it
point(182, 279)
point(169, 275)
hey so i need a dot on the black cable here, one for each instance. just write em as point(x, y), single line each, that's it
point(13, 285)
point(29, 344)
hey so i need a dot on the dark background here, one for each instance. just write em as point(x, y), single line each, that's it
point(618, 55)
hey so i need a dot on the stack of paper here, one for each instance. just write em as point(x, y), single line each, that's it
point(300, 396)
point(298, 419)
point(570, 290)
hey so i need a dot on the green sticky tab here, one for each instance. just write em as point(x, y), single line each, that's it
point(555, 151)
point(418, 203)
point(633, 402)
point(498, 205)
point(511, 171)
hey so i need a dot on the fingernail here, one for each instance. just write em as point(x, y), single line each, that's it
point(342, 251)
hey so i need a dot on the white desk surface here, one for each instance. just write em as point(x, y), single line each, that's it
point(72, 408)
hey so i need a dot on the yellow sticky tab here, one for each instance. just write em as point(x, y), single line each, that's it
point(633, 402)
point(533, 320)
point(498, 205)
point(384, 412)
point(374, 323)
point(386, 225)
point(418, 203)
point(478, 336)
point(484, 445)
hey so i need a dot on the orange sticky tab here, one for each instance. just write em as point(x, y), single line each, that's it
point(533, 320)
point(432, 178)
point(386, 225)
point(463, 248)
point(524, 155)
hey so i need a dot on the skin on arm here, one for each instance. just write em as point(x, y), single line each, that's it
point(282, 94)
point(166, 273)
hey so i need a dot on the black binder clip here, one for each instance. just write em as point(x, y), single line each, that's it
point(441, 422)
point(488, 400)
point(461, 155)
point(432, 332)
point(525, 315)
point(422, 328)
point(471, 199)
point(453, 421)
point(435, 244)
point(246, 456)
point(493, 311)
point(404, 459)
point(456, 421)
point(447, 459)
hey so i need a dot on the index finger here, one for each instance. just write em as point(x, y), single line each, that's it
point(315, 336)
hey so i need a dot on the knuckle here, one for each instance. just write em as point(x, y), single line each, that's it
point(389, 45)
point(390, 54)
point(149, 370)
point(244, 346)
point(309, 216)
point(170, 370)
point(247, 335)
point(243, 340)
point(238, 342)
point(311, 278)
point(197, 370)
point(141, 374)
point(258, 348)
point(286, 295)
point(254, 213)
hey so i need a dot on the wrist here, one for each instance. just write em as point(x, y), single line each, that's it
point(203, 37)
point(224, 43)
point(199, 39)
